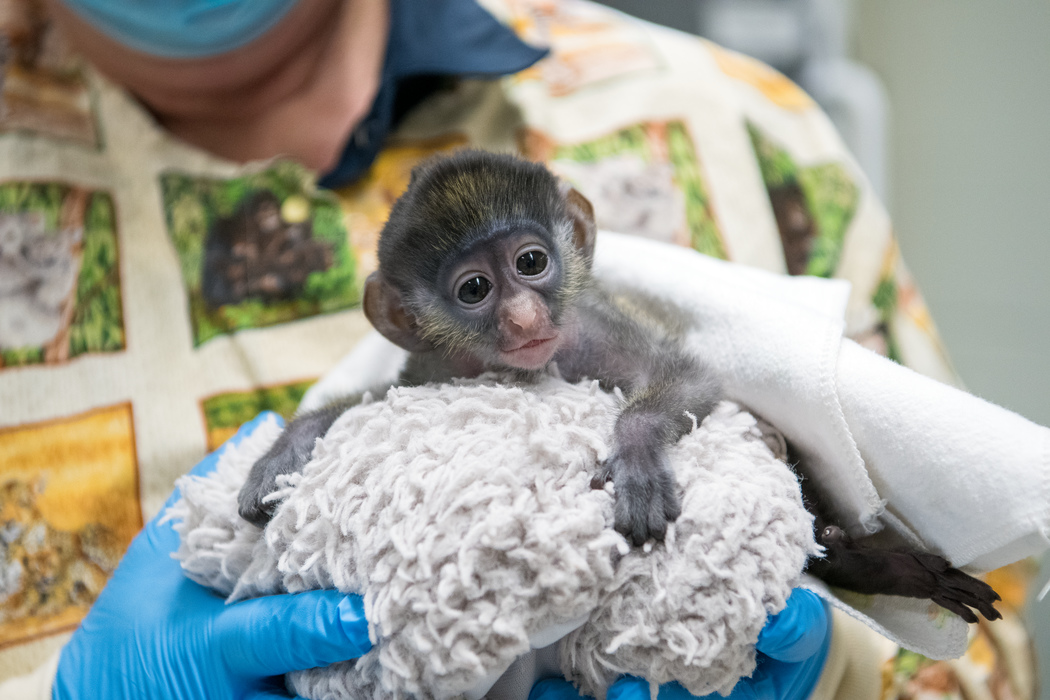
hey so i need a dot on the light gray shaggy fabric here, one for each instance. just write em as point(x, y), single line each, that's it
point(464, 515)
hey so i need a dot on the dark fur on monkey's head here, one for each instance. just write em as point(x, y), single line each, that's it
point(455, 203)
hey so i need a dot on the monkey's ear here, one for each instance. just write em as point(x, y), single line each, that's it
point(584, 229)
point(383, 308)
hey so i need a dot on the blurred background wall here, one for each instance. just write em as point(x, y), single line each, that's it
point(969, 172)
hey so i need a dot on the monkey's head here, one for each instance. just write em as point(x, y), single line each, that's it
point(482, 255)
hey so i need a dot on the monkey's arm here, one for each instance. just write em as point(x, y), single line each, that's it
point(660, 409)
point(288, 455)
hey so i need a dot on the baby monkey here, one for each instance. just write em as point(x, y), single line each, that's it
point(484, 264)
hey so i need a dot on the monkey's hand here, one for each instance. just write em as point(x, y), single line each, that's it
point(646, 498)
point(864, 569)
point(262, 481)
point(288, 455)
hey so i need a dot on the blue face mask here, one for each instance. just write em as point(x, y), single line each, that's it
point(182, 28)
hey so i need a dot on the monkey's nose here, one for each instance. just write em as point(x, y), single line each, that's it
point(523, 313)
point(523, 322)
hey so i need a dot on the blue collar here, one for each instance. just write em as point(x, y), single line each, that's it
point(430, 37)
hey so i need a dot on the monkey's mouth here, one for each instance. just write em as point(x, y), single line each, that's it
point(531, 355)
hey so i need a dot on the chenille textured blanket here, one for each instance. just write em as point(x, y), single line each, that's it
point(465, 516)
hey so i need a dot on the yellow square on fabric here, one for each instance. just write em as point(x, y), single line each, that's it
point(69, 507)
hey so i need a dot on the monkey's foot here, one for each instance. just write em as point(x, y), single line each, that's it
point(646, 498)
point(957, 591)
point(869, 570)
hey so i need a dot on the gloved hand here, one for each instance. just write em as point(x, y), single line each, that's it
point(791, 648)
point(153, 633)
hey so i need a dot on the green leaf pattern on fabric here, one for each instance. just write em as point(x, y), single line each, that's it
point(831, 197)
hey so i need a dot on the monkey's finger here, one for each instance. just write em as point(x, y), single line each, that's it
point(982, 600)
point(974, 593)
point(988, 610)
point(968, 586)
point(955, 607)
point(672, 508)
point(599, 480)
point(985, 604)
point(272, 635)
point(657, 525)
point(252, 508)
point(628, 527)
point(634, 529)
point(959, 586)
point(632, 516)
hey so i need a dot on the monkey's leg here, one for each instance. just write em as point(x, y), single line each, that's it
point(858, 567)
point(288, 455)
point(855, 567)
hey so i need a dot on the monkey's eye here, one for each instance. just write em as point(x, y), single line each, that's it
point(474, 290)
point(532, 263)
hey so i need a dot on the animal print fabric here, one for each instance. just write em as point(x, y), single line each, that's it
point(153, 297)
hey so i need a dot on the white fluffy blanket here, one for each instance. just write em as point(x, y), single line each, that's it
point(464, 515)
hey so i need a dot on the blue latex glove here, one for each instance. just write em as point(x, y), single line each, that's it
point(791, 648)
point(153, 633)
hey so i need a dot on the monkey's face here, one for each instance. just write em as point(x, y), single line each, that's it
point(503, 293)
point(482, 259)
